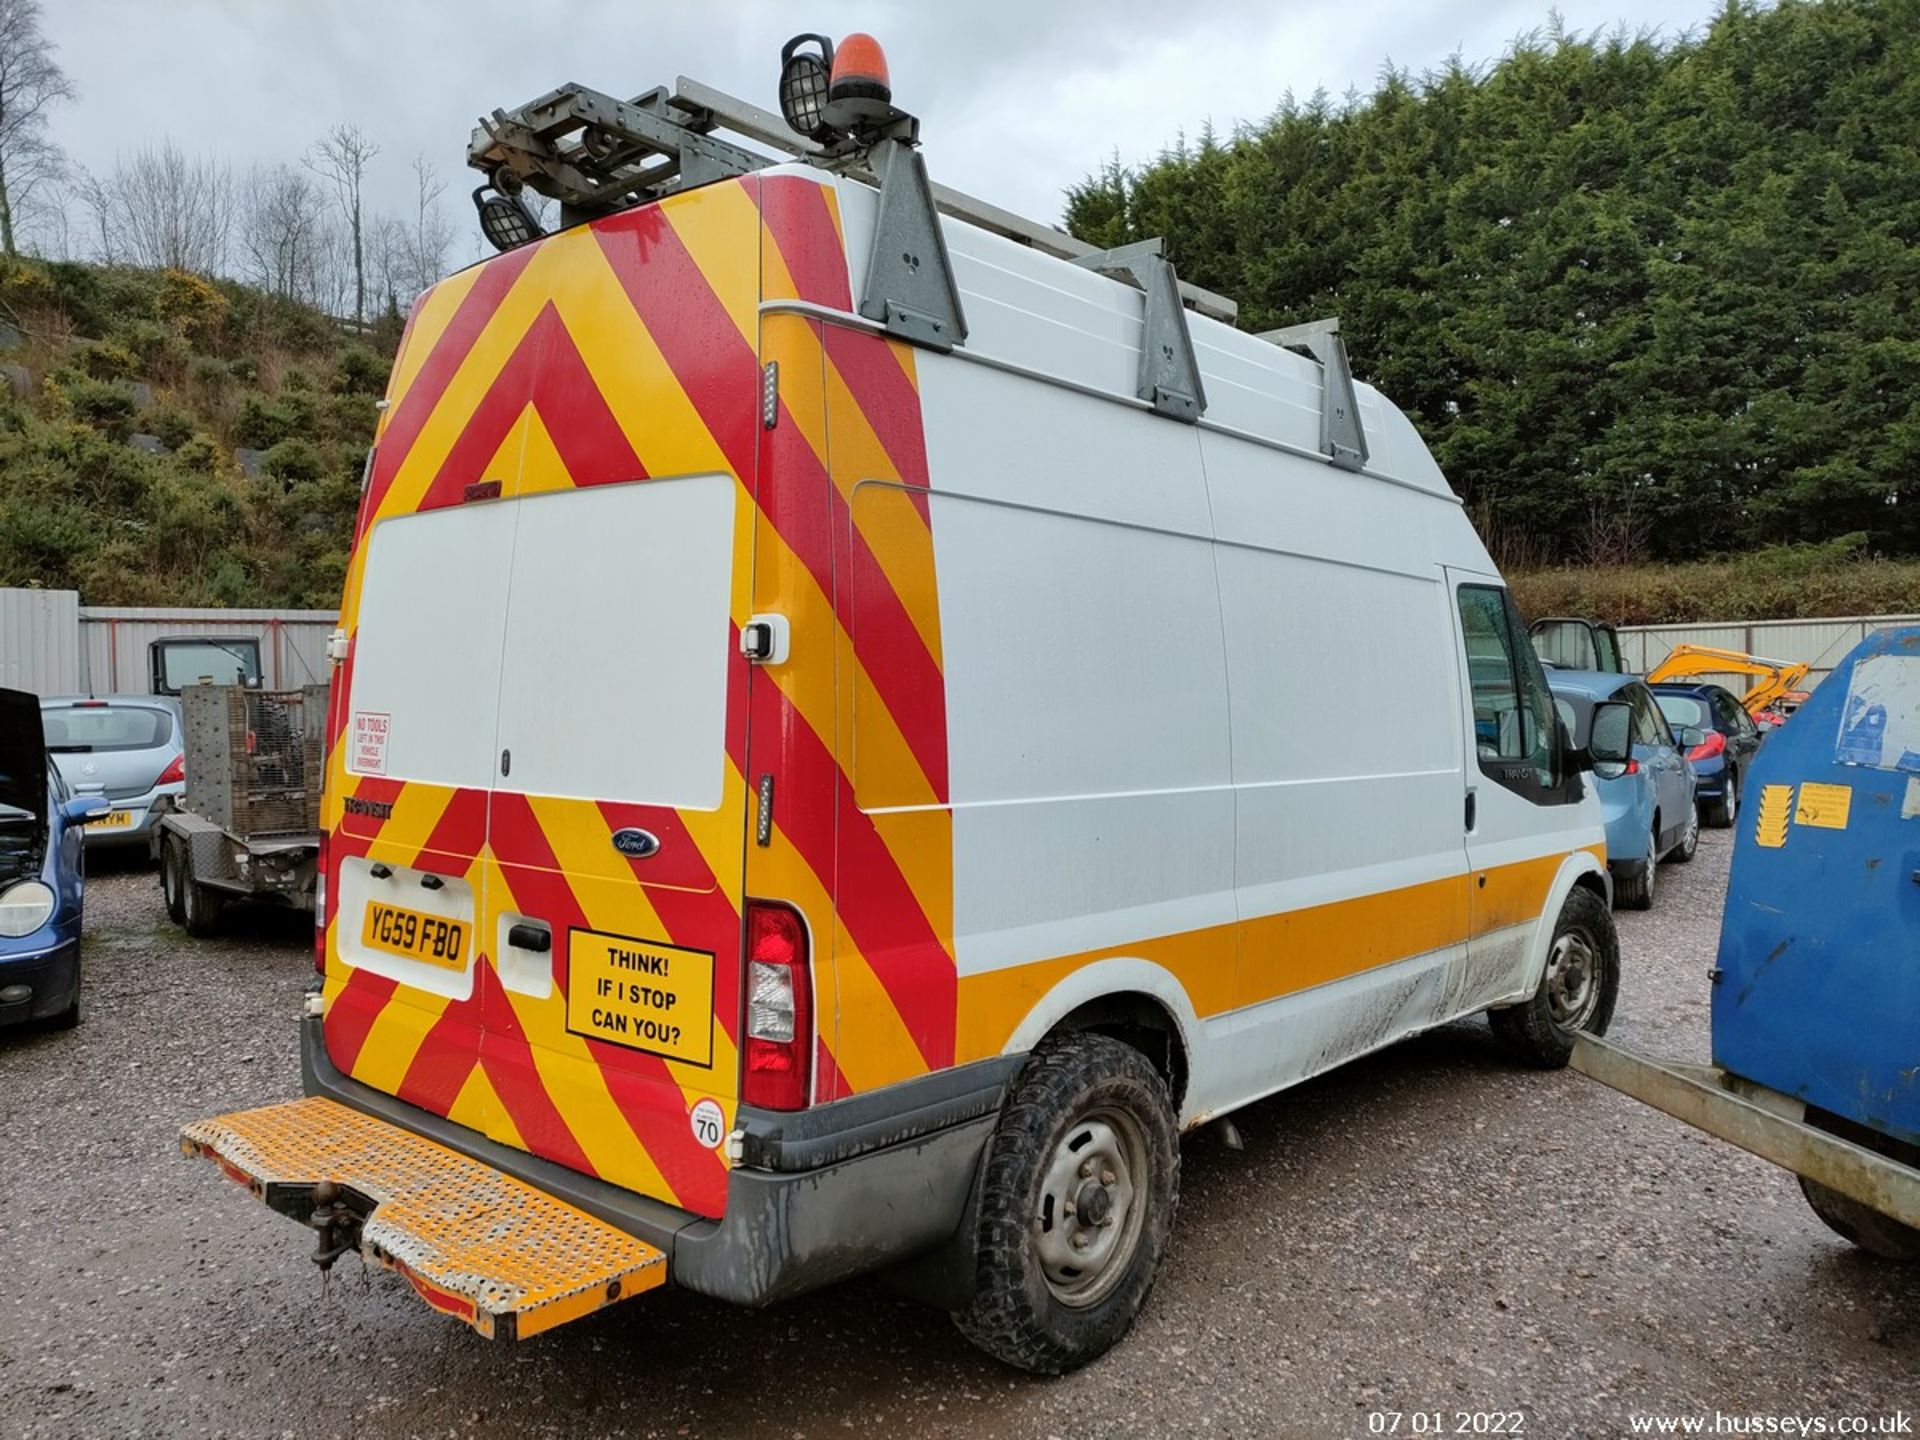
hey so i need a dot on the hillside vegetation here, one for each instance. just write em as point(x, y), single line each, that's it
point(1777, 582)
point(1645, 298)
point(128, 401)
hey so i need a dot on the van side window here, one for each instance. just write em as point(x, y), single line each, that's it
point(1515, 730)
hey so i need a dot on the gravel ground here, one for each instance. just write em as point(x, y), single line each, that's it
point(1428, 1230)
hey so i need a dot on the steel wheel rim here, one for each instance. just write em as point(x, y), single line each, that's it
point(1092, 1206)
point(1733, 797)
point(1573, 980)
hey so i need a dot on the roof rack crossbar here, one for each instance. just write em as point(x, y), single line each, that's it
point(1169, 376)
point(1342, 437)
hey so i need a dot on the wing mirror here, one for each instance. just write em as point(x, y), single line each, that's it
point(1691, 737)
point(1610, 735)
point(83, 808)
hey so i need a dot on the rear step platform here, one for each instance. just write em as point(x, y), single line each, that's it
point(477, 1244)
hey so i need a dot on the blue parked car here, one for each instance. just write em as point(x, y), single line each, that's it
point(1648, 802)
point(42, 865)
point(1730, 741)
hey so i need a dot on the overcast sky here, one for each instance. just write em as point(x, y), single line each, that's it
point(1017, 100)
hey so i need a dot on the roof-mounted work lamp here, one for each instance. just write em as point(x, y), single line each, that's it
point(805, 75)
point(505, 219)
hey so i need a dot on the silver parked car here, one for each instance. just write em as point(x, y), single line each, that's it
point(125, 747)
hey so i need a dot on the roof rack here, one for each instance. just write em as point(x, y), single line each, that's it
point(596, 154)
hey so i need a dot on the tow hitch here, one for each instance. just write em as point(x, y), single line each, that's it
point(336, 1228)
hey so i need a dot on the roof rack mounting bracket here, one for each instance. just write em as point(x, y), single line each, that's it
point(1342, 438)
point(910, 287)
point(1169, 369)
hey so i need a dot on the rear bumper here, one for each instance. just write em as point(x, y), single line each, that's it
point(51, 977)
point(814, 1198)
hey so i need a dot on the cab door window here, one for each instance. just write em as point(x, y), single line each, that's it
point(1516, 733)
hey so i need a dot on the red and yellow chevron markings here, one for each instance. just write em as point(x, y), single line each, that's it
point(850, 426)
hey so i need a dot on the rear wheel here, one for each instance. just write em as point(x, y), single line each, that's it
point(1689, 838)
point(1873, 1232)
point(1082, 1177)
point(1722, 811)
point(1866, 1227)
point(1577, 992)
point(1635, 892)
point(173, 865)
point(202, 906)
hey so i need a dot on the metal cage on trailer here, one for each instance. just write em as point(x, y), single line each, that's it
point(248, 825)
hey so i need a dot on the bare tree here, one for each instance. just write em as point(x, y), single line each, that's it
point(31, 83)
point(282, 231)
point(96, 197)
point(432, 234)
point(164, 208)
point(341, 158)
point(389, 260)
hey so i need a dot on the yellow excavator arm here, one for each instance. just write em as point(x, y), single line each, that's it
point(1772, 679)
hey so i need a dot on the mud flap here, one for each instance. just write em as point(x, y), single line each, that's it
point(506, 1258)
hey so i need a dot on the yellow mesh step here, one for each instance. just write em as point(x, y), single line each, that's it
point(508, 1259)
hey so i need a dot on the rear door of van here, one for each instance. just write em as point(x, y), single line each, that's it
point(584, 683)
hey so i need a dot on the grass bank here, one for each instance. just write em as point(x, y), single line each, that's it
point(1786, 582)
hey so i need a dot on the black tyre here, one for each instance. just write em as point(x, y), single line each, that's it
point(173, 878)
point(1635, 892)
point(1873, 1232)
point(1689, 845)
point(202, 907)
point(1864, 1226)
point(1081, 1181)
point(1724, 809)
point(1578, 990)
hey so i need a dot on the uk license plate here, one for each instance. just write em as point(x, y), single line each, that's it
point(415, 935)
point(112, 820)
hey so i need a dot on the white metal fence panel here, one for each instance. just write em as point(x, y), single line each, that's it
point(293, 643)
point(40, 641)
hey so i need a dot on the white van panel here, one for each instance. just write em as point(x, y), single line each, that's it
point(1082, 658)
point(1000, 437)
point(1088, 758)
point(427, 647)
point(1064, 876)
point(1086, 732)
point(641, 716)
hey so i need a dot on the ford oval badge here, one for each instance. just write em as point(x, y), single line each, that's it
point(635, 844)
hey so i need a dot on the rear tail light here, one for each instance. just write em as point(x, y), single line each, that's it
point(777, 1060)
point(320, 908)
point(1714, 744)
point(175, 772)
point(1632, 767)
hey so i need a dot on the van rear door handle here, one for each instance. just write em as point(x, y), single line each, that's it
point(537, 938)
point(1471, 808)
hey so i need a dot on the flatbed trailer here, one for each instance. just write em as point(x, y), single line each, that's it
point(248, 825)
point(1816, 996)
